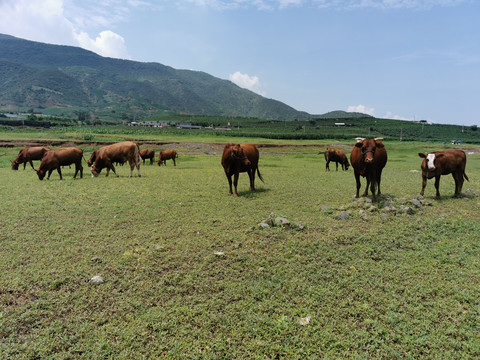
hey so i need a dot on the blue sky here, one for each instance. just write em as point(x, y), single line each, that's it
point(404, 59)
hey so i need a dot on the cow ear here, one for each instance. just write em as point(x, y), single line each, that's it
point(379, 144)
point(359, 144)
point(422, 155)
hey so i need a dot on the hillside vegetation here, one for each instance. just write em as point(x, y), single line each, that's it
point(44, 76)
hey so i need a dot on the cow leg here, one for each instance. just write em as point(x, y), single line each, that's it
point(327, 165)
point(235, 183)
point(336, 164)
point(49, 173)
point(357, 179)
point(174, 163)
point(229, 178)
point(458, 183)
point(437, 186)
point(113, 169)
point(372, 189)
point(424, 183)
point(251, 175)
point(59, 170)
point(366, 187)
point(378, 179)
point(31, 164)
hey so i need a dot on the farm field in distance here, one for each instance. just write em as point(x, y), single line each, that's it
point(188, 272)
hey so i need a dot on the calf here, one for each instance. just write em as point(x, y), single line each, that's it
point(27, 155)
point(147, 154)
point(165, 155)
point(443, 163)
point(54, 159)
point(337, 156)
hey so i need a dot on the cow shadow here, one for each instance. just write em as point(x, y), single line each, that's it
point(252, 194)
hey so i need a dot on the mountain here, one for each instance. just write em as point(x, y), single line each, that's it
point(339, 114)
point(38, 75)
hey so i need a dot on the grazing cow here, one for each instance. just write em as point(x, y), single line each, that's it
point(238, 158)
point(92, 158)
point(118, 152)
point(165, 155)
point(336, 155)
point(27, 155)
point(368, 159)
point(147, 154)
point(444, 163)
point(54, 159)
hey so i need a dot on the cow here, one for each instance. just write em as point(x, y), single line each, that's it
point(147, 154)
point(337, 156)
point(92, 158)
point(237, 158)
point(55, 159)
point(165, 155)
point(443, 163)
point(28, 154)
point(368, 158)
point(118, 152)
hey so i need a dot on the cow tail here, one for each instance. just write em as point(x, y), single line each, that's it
point(259, 175)
point(137, 155)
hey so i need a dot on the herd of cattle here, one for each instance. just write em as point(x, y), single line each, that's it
point(105, 157)
point(368, 158)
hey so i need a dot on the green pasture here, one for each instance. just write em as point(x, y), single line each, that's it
point(189, 273)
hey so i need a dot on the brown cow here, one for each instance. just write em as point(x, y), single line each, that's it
point(92, 158)
point(27, 155)
point(165, 155)
point(118, 152)
point(54, 159)
point(443, 163)
point(147, 154)
point(238, 158)
point(336, 155)
point(368, 159)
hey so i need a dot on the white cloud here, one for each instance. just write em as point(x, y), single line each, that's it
point(361, 109)
point(248, 82)
point(61, 22)
point(106, 44)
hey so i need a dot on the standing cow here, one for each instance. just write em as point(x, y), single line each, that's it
point(27, 155)
point(54, 159)
point(147, 154)
point(337, 156)
point(444, 163)
point(118, 152)
point(238, 158)
point(368, 159)
point(165, 155)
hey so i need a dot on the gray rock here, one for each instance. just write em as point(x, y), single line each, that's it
point(325, 207)
point(343, 215)
point(416, 203)
point(281, 221)
point(264, 225)
point(96, 280)
point(363, 213)
point(299, 226)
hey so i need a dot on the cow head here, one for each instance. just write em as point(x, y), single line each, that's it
point(14, 165)
point(95, 171)
point(236, 152)
point(40, 173)
point(368, 148)
point(429, 160)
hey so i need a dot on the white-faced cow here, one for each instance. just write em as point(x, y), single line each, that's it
point(26, 155)
point(238, 158)
point(337, 156)
point(118, 152)
point(368, 158)
point(443, 163)
point(55, 159)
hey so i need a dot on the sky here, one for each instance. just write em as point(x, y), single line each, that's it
point(399, 59)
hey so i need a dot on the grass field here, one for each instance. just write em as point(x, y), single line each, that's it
point(189, 274)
